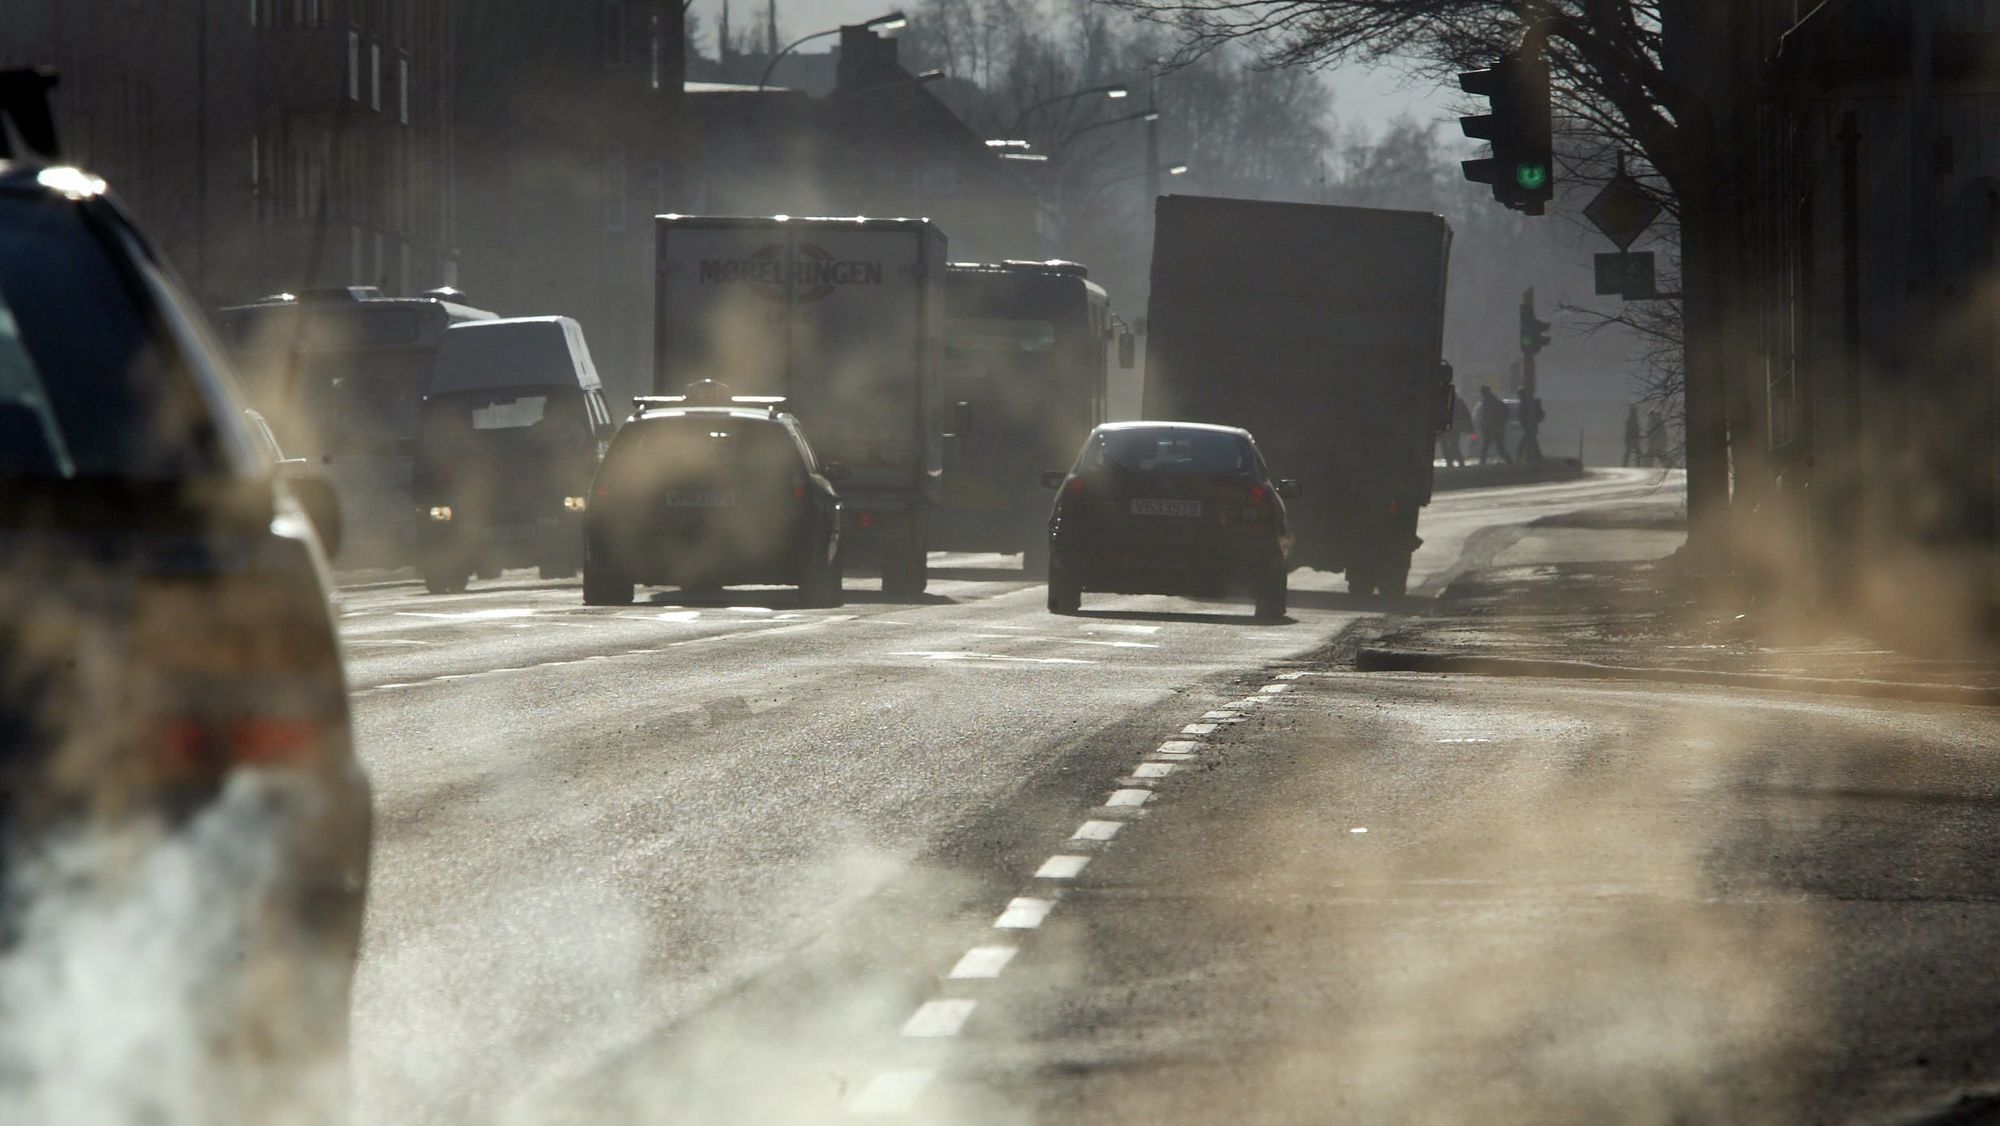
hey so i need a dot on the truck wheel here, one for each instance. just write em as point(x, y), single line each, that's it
point(1271, 596)
point(604, 587)
point(1396, 578)
point(1065, 593)
point(905, 570)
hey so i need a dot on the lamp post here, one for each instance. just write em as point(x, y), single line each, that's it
point(1115, 90)
point(1147, 115)
point(891, 22)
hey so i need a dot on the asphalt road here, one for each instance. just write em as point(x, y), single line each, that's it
point(669, 861)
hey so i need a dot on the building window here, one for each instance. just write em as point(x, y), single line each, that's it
point(614, 188)
point(654, 40)
point(375, 76)
point(403, 89)
point(614, 33)
point(353, 66)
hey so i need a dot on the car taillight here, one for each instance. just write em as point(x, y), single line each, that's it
point(1258, 493)
point(240, 673)
point(1075, 487)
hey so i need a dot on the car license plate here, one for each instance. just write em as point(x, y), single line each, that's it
point(702, 498)
point(1148, 507)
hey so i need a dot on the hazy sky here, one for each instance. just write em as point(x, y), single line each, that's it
point(1363, 99)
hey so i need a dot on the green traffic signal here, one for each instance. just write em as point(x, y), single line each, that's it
point(1532, 176)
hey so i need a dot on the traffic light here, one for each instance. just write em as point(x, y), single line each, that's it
point(1534, 330)
point(1521, 170)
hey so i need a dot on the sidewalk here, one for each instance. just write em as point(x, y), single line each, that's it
point(1597, 596)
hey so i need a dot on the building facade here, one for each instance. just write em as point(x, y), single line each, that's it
point(264, 144)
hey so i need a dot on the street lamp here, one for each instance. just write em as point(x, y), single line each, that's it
point(1115, 90)
point(894, 21)
point(1149, 115)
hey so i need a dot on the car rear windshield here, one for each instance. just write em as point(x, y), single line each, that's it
point(1171, 451)
point(90, 387)
point(694, 446)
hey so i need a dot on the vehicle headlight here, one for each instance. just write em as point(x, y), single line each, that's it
point(441, 513)
point(575, 504)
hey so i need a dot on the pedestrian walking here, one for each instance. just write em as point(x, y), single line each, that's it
point(1532, 415)
point(1493, 416)
point(1451, 440)
point(1634, 452)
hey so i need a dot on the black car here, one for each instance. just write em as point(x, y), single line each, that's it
point(174, 731)
point(509, 440)
point(1169, 508)
point(708, 496)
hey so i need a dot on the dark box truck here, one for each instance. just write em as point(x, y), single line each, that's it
point(1320, 330)
point(844, 319)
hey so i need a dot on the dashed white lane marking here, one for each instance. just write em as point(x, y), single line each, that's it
point(1274, 689)
point(982, 962)
point(1065, 640)
point(1153, 769)
point(1061, 867)
point(1143, 631)
point(939, 1018)
point(1199, 729)
point(1223, 716)
point(1178, 747)
point(1359, 829)
point(1129, 799)
point(1024, 913)
point(1097, 830)
point(892, 1092)
point(1290, 676)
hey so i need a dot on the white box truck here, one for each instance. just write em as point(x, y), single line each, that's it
point(843, 318)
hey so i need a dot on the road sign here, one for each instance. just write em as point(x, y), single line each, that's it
point(1626, 275)
point(1623, 210)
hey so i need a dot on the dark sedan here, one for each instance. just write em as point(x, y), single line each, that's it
point(1169, 508)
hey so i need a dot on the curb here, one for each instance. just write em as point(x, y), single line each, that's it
point(1406, 660)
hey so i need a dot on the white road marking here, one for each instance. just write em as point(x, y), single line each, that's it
point(1025, 912)
point(1199, 729)
point(1065, 640)
point(983, 962)
point(1359, 829)
point(1223, 716)
point(892, 1092)
point(672, 616)
point(1097, 830)
point(468, 615)
point(1274, 689)
point(1061, 867)
point(1128, 799)
point(1153, 769)
point(939, 1018)
point(385, 641)
point(1178, 747)
point(961, 655)
point(1141, 630)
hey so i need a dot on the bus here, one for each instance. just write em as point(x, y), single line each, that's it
point(1026, 349)
point(341, 375)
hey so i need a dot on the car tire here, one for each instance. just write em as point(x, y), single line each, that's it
point(1271, 596)
point(440, 579)
point(603, 586)
point(1065, 593)
point(821, 586)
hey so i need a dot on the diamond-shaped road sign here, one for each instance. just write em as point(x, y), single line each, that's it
point(1623, 211)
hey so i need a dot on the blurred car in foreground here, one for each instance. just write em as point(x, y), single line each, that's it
point(1169, 508)
point(179, 796)
point(700, 496)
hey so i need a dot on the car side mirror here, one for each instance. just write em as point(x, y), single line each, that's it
point(961, 420)
point(316, 495)
point(1290, 489)
point(835, 472)
point(1128, 351)
point(1053, 479)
